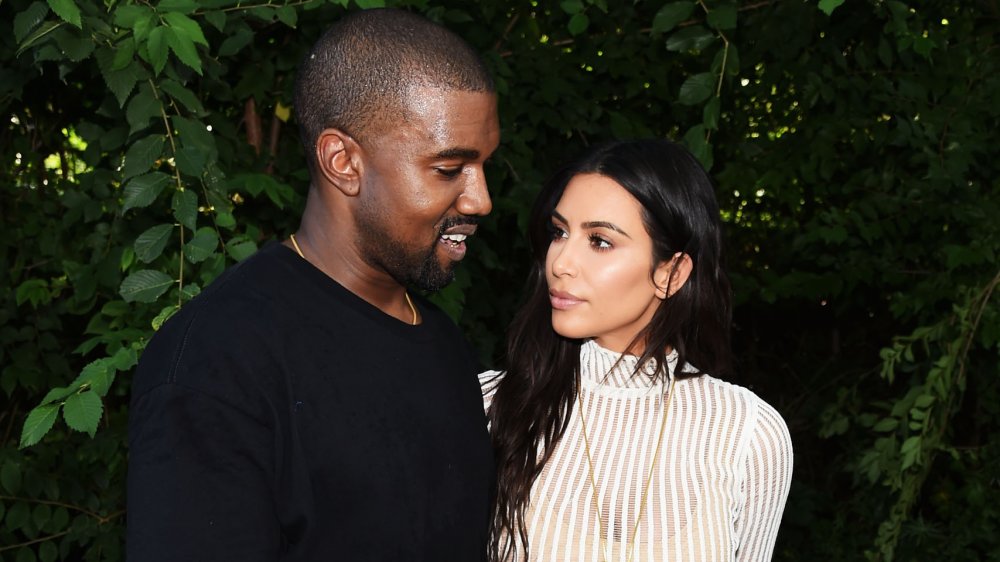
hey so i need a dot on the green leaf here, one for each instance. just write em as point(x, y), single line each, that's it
point(58, 394)
point(37, 35)
point(10, 477)
point(141, 156)
point(225, 220)
point(731, 56)
point(143, 107)
point(142, 29)
point(184, 205)
point(572, 6)
point(828, 6)
point(236, 41)
point(187, 27)
point(191, 290)
point(128, 256)
point(886, 424)
point(145, 285)
point(670, 15)
point(48, 552)
point(39, 423)
point(177, 6)
point(694, 38)
point(17, 518)
point(67, 10)
point(120, 82)
point(203, 244)
point(241, 248)
point(183, 95)
point(123, 360)
point(722, 17)
point(695, 140)
point(41, 515)
point(127, 15)
point(97, 375)
point(28, 19)
point(142, 190)
point(578, 23)
point(164, 315)
point(183, 46)
point(35, 291)
point(910, 450)
point(288, 16)
point(710, 115)
point(697, 88)
point(191, 160)
point(368, 4)
point(194, 134)
point(124, 54)
point(73, 46)
point(82, 411)
point(157, 48)
point(216, 19)
point(150, 244)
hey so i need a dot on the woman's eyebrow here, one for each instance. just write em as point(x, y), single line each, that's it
point(592, 224)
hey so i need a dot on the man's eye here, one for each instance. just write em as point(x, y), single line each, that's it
point(449, 172)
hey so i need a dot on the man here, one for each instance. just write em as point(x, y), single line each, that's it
point(306, 406)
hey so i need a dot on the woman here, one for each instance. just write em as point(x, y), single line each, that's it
point(613, 438)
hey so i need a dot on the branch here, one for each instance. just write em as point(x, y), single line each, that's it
point(33, 541)
point(82, 510)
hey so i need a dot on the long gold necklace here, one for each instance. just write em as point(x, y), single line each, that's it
point(630, 545)
point(413, 309)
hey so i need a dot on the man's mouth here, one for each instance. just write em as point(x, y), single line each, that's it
point(453, 239)
point(453, 235)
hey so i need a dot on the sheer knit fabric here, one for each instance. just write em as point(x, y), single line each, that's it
point(719, 483)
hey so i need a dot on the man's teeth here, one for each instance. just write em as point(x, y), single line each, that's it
point(454, 238)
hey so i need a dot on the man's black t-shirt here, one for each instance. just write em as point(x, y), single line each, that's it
point(278, 416)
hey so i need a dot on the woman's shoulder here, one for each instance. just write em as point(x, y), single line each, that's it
point(723, 392)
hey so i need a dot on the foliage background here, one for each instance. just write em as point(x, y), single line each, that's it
point(148, 145)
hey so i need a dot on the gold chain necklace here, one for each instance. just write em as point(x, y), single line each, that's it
point(413, 309)
point(630, 545)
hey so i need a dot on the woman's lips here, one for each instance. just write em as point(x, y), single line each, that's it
point(562, 301)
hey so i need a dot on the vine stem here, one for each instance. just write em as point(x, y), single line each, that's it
point(180, 187)
point(239, 7)
point(722, 70)
point(888, 534)
point(101, 520)
point(34, 541)
point(82, 510)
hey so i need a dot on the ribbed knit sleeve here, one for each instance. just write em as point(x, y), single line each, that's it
point(767, 481)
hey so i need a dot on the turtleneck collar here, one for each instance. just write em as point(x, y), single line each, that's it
point(598, 367)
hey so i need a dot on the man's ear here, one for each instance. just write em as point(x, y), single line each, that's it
point(338, 160)
point(672, 274)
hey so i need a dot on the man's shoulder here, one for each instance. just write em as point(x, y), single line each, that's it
point(231, 320)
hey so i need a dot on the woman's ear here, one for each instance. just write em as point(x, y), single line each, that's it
point(338, 159)
point(672, 274)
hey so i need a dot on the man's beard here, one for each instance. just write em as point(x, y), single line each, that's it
point(409, 266)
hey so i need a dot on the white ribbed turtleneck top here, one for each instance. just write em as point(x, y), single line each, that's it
point(718, 488)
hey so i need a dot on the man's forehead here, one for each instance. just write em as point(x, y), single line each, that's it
point(452, 122)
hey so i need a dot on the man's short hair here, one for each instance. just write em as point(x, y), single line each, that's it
point(356, 75)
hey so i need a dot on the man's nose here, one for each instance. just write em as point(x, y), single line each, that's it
point(475, 200)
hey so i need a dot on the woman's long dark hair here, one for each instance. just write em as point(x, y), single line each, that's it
point(533, 402)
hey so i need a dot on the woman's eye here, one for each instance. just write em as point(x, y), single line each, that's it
point(449, 172)
point(556, 233)
point(600, 243)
